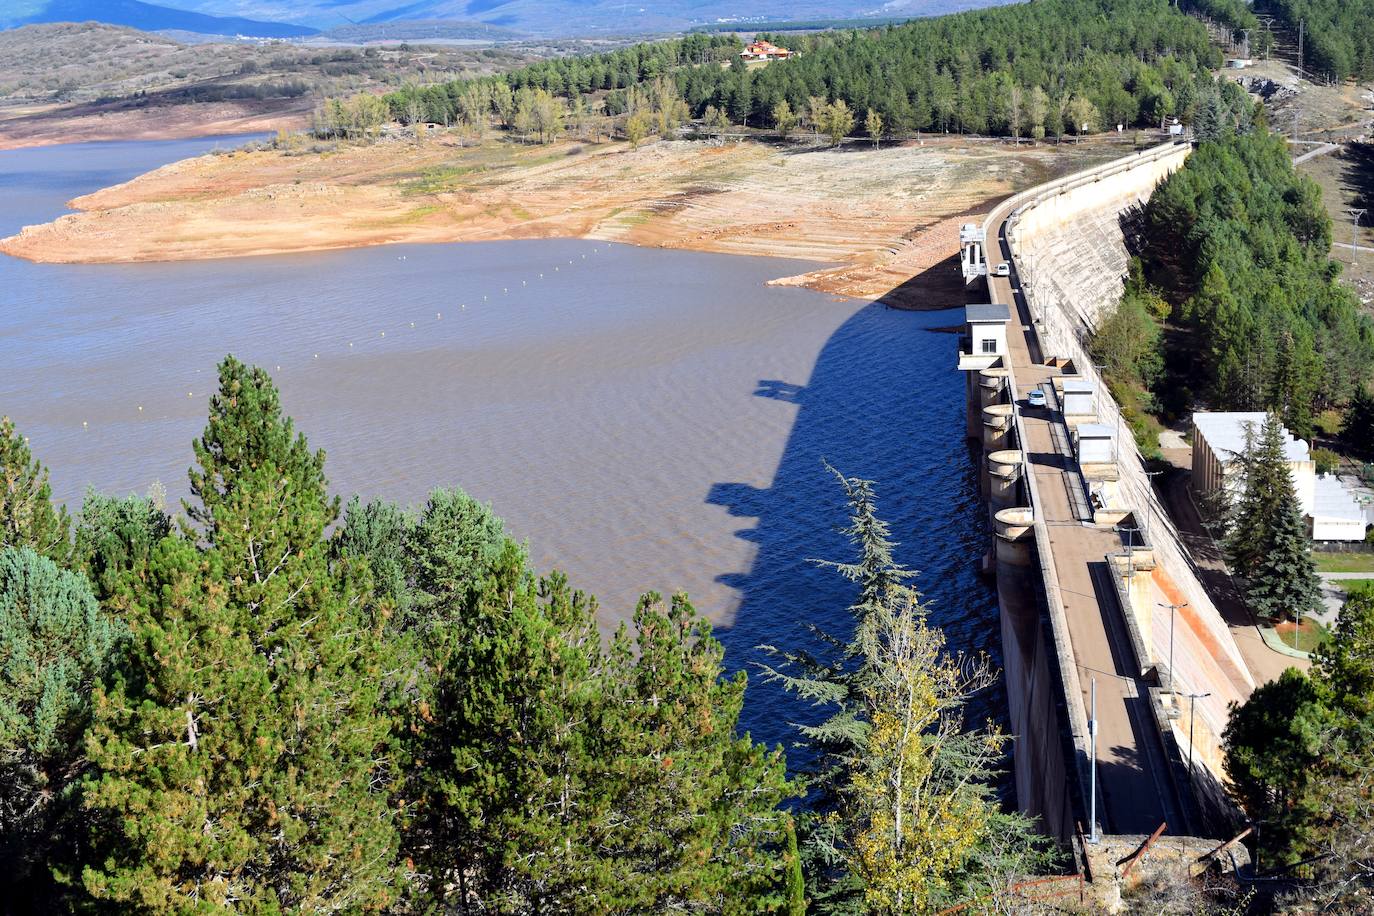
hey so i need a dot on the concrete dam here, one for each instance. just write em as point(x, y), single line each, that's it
point(1119, 668)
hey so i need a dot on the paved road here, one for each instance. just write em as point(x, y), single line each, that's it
point(1313, 154)
point(1137, 794)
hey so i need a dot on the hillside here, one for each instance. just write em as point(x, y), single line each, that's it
point(87, 81)
point(149, 16)
point(545, 17)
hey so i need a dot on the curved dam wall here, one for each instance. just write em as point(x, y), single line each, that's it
point(1070, 250)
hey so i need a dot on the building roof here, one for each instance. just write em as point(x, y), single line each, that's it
point(1094, 431)
point(993, 312)
point(1333, 501)
point(1078, 386)
point(1225, 434)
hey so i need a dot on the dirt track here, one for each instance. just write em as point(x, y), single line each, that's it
point(885, 217)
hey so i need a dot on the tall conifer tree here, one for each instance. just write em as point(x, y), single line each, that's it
point(1268, 544)
point(27, 515)
point(242, 759)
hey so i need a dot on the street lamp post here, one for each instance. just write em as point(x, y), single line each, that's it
point(1356, 214)
point(1149, 502)
point(1192, 702)
point(1173, 612)
point(1092, 767)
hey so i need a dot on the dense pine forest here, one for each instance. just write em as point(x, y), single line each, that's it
point(1338, 35)
point(1235, 302)
point(1030, 69)
point(1338, 39)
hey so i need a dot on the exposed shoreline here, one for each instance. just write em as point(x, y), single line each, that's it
point(887, 219)
point(52, 125)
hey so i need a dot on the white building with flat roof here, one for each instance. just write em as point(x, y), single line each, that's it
point(1220, 438)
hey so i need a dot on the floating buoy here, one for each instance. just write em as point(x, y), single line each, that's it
point(279, 368)
point(189, 394)
point(317, 356)
point(522, 282)
point(504, 290)
point(384, 333)
point(438, 314)
point(350, 344)
point(412, 324)
point(140, 408)
point(83, 424)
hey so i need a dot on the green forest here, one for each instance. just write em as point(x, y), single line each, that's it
point(1338, 40)
point(273, 702)
point(1236, 303)
point(1337, 35)
point(1030, 69)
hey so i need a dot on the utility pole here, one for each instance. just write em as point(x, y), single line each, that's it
point(1149, 502)
point(1173, 612)
point(1192, 783)
point(1130, 550)
point(1267, 23)
point(1092, 767)
point(1356, 214)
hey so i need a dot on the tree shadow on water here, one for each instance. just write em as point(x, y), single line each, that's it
point(885, 402)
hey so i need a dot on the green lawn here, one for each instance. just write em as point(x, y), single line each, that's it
point(1311, 635)
point(1356, 585)
point(1344, 562)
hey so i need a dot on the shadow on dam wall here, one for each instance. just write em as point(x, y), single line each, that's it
point(883, 402)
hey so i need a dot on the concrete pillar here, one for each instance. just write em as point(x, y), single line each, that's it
point(997, 423)
point(973, 401)
point(992, 384)
point(1015, 532)
point(1004, 469)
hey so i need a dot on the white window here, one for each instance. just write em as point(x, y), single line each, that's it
point(989, 345)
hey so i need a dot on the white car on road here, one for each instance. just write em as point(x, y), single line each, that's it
point(1035, 398)
point(1003, 269)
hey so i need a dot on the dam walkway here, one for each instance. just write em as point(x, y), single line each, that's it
point(1136, 789)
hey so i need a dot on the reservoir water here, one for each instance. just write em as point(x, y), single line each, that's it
point(646, 419)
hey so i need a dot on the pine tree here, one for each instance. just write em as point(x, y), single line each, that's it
point(56, 644)
point(27, 516)
point(241, 758)
point(1358, 428)
point(926, 829)
point(1268, 543)
point(115, 537)
point(858, 854)
point(453, 547)
point(553, 775)
point(696, 807)
point(380, 533)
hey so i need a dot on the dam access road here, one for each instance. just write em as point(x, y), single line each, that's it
point(1136, 790)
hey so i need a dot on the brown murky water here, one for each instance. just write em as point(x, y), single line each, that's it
point(646, 419)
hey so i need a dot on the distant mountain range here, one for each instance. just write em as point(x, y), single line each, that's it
point(302, 18)
point(148, 17)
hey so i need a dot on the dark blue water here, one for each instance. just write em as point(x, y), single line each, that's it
point(647, 419)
